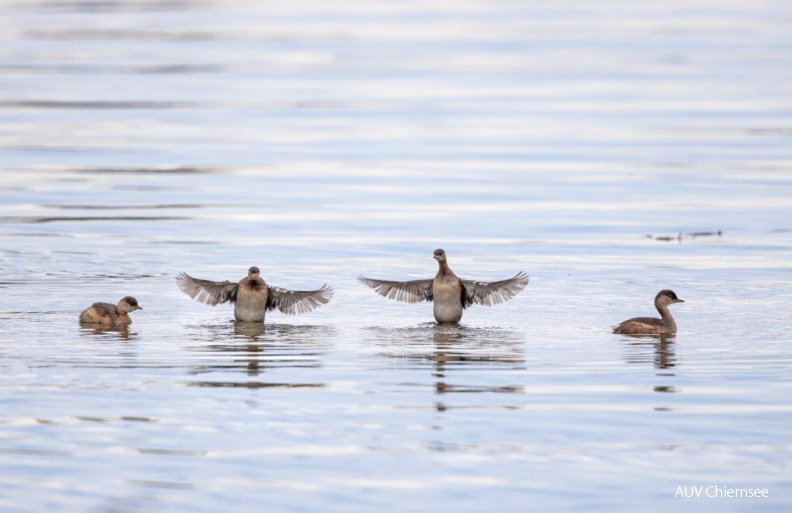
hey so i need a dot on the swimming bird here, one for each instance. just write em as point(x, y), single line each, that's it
point(450, 294)
point(652, 325)
point(252, 297)
point(110, 315)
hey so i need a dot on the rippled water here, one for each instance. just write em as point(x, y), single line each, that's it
point(321, 141)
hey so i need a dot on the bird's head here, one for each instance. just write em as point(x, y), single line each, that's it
point(129, 304)
point(439, 255)
point(667, 297)
point(253, 272)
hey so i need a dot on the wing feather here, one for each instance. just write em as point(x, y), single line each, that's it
point(207, 292)
point(105, 309)
point(648, 321)
point(639, 326)
point(293, 302)
point(413, 291)
point(495, 292)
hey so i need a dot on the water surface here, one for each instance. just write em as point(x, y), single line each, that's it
point(321, 141)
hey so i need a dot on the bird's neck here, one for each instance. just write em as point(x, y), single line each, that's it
point(665, 314)
point(443, 269)
point(255, 282)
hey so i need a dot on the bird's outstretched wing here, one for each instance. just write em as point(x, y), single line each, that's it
point(494, 292)
point(297, 301)
point(413, 291)
point(207, 292)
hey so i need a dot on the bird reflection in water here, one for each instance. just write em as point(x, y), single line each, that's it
point(255, 348)
point(453, 347)
point(250, 332)
point(119, 332)
point(660, 351)
point(665, 353)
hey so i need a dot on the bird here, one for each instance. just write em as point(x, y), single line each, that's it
point(252, 297)
point(450, 294)
point(110, 315)
point(652, 325)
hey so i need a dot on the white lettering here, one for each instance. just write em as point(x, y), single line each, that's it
point(715, 491)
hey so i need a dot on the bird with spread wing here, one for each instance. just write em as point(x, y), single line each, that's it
point(252, 297)
point(449, 294)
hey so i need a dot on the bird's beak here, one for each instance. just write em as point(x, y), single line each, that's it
point(436, 257)
point(679, 301)
point(138, 308)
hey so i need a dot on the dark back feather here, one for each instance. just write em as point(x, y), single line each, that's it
point(105, 310)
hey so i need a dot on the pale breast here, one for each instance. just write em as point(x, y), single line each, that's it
point(447, 290)
point(123, 320)
point(447, 297)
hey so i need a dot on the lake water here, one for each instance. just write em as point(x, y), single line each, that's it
point(321, 141)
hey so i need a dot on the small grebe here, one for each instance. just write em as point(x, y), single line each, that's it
point(110, 315)
point(652, 325)
point(252, 297)
point(449, 294)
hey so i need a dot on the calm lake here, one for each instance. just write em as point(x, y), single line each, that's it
point(581, 142)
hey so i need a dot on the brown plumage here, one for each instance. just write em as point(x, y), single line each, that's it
point(450, 294)
point(665, 325)
point(252, 297)
point(110, 315)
